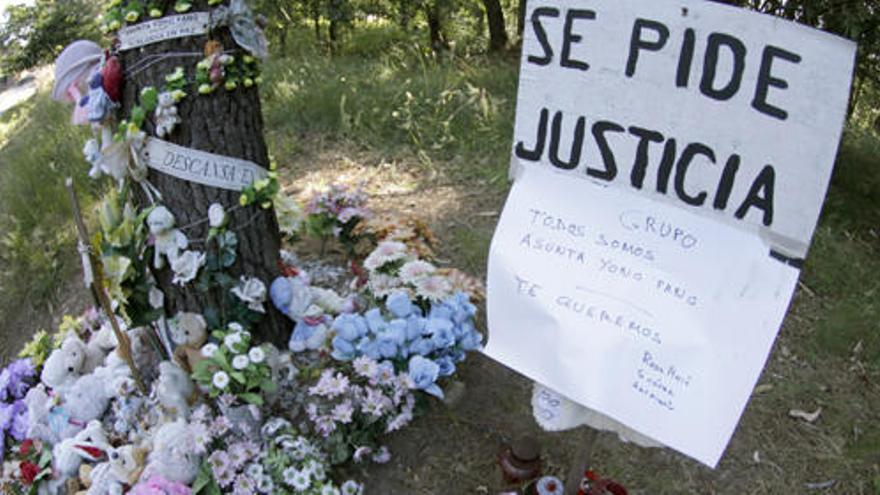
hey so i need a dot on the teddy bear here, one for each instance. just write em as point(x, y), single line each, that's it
point(166, 114)
point(169, 240)
point(172, 456)
point(85, 401)
point(89, 445)
point(100, 345)
point(123, 468)
point(189, 332)
point(174, 390)
point(65, 364)
point(39, 405)
point(115, 376)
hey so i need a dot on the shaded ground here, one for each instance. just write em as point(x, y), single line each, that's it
point(453, 449)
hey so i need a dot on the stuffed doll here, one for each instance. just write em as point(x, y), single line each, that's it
point(166, 114)
point(189, 332)
point(89, 445)
point(169, 240)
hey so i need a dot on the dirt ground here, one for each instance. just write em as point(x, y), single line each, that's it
point(453, 449)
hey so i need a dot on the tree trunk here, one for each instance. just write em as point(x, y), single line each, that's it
point(435, 26)
point(521, 20)
point(316, 18)
point(224, 123)
point(497, 28)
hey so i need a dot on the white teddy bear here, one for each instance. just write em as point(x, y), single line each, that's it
point(189, 332)
point(85, 401)
point(166, 114)
point(174, 390)
point(169, 241)
point(100, 345)
point(172, 456)
point(64, 365)
point(39, 405)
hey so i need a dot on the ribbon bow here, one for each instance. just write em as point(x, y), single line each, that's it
point(240, 20)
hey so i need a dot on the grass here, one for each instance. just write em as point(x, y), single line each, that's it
point(38, 149)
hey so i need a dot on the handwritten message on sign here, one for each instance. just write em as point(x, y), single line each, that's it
point(165, 28)
point(663, 150)
point(198, 166)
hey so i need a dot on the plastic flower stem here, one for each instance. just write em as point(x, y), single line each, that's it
point(124, 348)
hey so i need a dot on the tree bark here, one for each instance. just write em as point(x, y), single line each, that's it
point(224, 123)
point(497, 28)
point(433, 12)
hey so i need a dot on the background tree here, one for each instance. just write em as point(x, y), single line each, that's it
point(36, 34)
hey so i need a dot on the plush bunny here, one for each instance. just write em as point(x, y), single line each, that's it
point(89, 445)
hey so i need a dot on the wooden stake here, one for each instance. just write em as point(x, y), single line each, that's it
point(581, 461)
point(124, 347)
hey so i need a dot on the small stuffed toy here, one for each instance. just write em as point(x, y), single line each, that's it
point(100, 345)
point(189, 332)
point(175, 391)
point(97, 100)
point(172, 456)
point(65, 364)
point(88, 445)
point(39, 404)
point(123, 469)
point(166, 114)
point(169, 240)
point(85, 401)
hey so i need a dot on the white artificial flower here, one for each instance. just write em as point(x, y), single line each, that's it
point(157, 298)
point(289, 213)
point(382, 285)
point(434, 288)
point(385, 252)
point(240, 362)
point(231, 340)
point(216, 215)
point(186, 266)
point(209, 349)
point(160, 220)
point(220, 380)
point(329, 490)
point(235, 327)
point(251, 291)
point(415, 270)
point(257, 355)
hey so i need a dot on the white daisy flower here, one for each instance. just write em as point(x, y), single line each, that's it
point(351, 487)
point(209, 349)
point(385, 252)
point(257, 355)
point(232, 340)
point(240, 362)
point(220, 380)
point(434, 288)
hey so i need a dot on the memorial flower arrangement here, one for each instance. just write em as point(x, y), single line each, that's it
point(235, 367)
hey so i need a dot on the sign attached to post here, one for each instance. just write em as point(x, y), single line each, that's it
point(671, 159)
point(219, 171)
point(165, 28)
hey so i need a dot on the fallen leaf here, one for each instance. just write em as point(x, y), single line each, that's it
point(763, 388)
point(808, 417)
point(821, 485)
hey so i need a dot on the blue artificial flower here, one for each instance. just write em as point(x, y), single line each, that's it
point(424, 373)
point(306, 336)
point(386, 347)
point(370, 348)
point(5, 382)
point(20, 423)
point(281, 293)
point(415, 327)
point(343, 350)
point(400, 304)
point(447, 366)
point(375, 321)
point(441, 333)
point(7, 415)
point(421, 346)
point(472, 340)
point(441, 312)
point(462, 309)
point(350, 326)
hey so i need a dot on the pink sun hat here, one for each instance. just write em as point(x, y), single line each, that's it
point(76, 61)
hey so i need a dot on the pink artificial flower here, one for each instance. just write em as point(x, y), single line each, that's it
point(158, 485)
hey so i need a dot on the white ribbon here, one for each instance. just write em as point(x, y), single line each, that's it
point(240, 20)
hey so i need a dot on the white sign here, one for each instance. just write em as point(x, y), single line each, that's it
point(198, 166)
point(706, 135)
point(165, 28)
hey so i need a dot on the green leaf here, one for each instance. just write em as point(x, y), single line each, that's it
point(138, 115)
point(205, 483)
point(252, 399)
point(239, 377)
point(149, 98)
